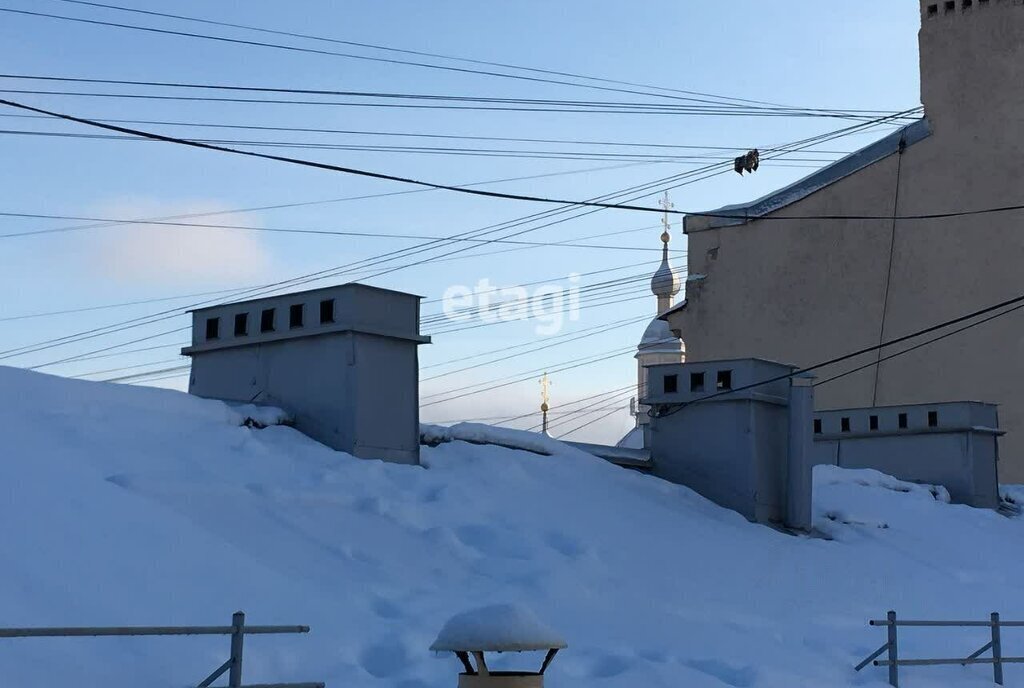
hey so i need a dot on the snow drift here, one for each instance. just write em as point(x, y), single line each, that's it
point(126, 505)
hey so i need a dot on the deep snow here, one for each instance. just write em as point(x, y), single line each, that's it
point(127, 505)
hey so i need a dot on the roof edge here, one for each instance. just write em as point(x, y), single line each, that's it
point(740, 214)
point(304, 292)
point(674, 309)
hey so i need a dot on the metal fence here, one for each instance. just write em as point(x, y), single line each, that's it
point(232, 667)
point(891, 646)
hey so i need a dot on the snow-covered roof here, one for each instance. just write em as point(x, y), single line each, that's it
point(854, 162)
point(497, 628)
point(634, 439)
point(143, 488)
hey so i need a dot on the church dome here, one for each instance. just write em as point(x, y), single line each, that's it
point(658, 339)
point(665, 281)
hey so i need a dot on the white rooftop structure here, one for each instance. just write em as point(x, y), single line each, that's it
point(658, 345)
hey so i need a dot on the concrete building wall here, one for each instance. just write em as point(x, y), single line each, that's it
point(312, 378)
point(955, 445)
point(346, 371)
point(387, 415)
point(806, 290)
point(731, 449)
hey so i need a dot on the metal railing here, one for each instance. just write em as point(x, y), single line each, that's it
point(232, 667)
point(891, 647)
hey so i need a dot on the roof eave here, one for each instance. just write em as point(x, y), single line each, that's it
point(733, 215)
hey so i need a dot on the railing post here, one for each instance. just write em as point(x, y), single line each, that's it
point(997, 650)
point(237, 635)
point(894, 669)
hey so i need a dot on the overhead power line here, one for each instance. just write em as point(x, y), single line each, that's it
point(327, 166)
point(480, 192)
point(644, 189)
point(667, 184)
point(294, 230)
point(570, 403)
point(122, 368)
point(563, 276)
point(993, 312)
point(594, 303)
point(589, 423)
point(567, 416)
point(301, 204)
point(174, 345)
point(137, 376)
point(407, 51)
point(160, 378)
point(125, 304)
point(901, 352)
point(869, 349)
point(840, 359)
point(397, 134)
point(661, 158)
point(686, 95)
point(583, 292)
point(273, 286)
point(471, 104)
point(584, 334)
point(137, 322)
point(463, 102)
point(502, 382)
point(430, 96)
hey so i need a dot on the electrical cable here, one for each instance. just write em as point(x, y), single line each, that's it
point(313, 276)
point(678, 406)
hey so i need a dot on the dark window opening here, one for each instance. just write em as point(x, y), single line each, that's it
point(967, 4)
point(212, 328)
point(696, 382)
point(724, 379)
point(844, 424)
point(295, 315)
point(933, 10)
point(950, 6)
point(933, 419)
point(327, 311)
point(873, 422)
point(267, 320)
point(817, 426)
point(671, 384)
point(902, 421)
point(241, 324)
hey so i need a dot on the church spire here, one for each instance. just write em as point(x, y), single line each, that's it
point(665, 283)
point(545, 397)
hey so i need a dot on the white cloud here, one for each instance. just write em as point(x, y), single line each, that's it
point(171, 255)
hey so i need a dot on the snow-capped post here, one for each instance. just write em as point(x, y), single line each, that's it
point(799, 465)
point(497, 628)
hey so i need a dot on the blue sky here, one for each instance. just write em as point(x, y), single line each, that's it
point(800, 52)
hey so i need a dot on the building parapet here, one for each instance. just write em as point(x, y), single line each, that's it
point(330, 310)
point(953, 444)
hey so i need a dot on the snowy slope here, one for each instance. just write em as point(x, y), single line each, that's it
point(127, 505)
